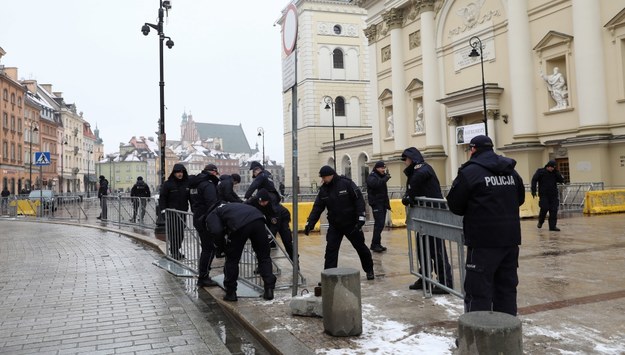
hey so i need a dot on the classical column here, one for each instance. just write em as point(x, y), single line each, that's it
point(394, 20)
point(431, 91)
point(522, 76)
point(371, 33)
point(589, 67)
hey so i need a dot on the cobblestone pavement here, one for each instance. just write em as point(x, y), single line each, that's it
point(73, 290)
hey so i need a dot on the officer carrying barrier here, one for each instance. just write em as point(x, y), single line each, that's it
point(442, 251)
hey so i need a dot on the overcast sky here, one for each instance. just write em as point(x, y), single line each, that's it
point(225, 66)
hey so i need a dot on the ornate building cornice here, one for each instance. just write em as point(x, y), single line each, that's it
point(372, 33)
point(394, 18)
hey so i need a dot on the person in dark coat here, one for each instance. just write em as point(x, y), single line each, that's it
point(346, 216)
point(203, 195)
point(174, 194)
point(5, 198)
point(277, 217)
point(423, 182)
point(262, 180)
point(103, 190)
point(226, 187)
point(377, 194)
point(141, 191)
point(488, 193)
point(241, 222)
point(547, 179)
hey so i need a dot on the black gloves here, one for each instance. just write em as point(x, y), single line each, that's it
point(406, 201)
point(534, 194)
point(307, 229)
point(361, 222)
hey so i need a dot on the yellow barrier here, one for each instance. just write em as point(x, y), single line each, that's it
point(606, 201)
point(25, 207)
point(398, 213)
point(303, 210)
point(530, 208)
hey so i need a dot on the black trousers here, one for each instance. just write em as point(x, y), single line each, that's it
point(491, 280)
point(208, 249)
point(175, 232)
point(356, 237)
point(281, 226)
point(548, 204)
point(255, 232)
point(136, 205)
point(379, 219)
point(438, 257)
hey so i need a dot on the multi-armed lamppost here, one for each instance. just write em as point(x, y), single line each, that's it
point(33, 128)
point(330, 106)
point(476, 43)
point(164, 6)
point(261, 132)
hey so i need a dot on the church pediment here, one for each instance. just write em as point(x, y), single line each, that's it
point(385, 95)
point(470, 100)
point(553, 39)
point(616, 21)
point(415, 84)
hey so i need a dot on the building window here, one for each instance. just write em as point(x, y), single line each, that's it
point(13, 98)
point(12, 123)
point(337, 57)
point(5, 95)
point(19, 101)
point(339, 106)
point(19, 152)
point(19, 124)
point(5, 150)
point(13, 151)
point(337, 29)
point(5, 120)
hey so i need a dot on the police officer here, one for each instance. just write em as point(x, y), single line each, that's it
point(174, 194)
point(103, 190)
point(548, 179)
point(225, 189)
point(377, 194)
point(346, 216)
point(422, 181)
point(277, 217)
point(203, 195)
point(141, 191)
point(262, 180)
point(488, 193)
point(241, 222)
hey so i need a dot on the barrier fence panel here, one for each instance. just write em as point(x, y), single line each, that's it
point(436, 242)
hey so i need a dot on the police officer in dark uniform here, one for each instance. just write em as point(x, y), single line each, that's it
point(377, 194)
point(488, 193)
point(103, 190)
point(277, 217)
point(225, 189)
point(174, 194)
point(423, 182)
point(262, 180)
point(346, 216)
point(203, 195)
point(241, 222)
point(548, 179)
point(141, 191)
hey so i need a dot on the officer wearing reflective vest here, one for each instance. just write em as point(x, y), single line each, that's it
point(488, 193)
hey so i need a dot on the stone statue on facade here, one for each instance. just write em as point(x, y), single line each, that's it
point(556, 84)
point(390, 129)
point(419, 119)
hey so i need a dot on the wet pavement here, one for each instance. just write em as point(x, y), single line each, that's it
point(571, 296)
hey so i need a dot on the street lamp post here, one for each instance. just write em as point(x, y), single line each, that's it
point(88, 176)
point(476, 43)
point(33, 128)
point(261, 132)
point(329, 102)
point(62, 170)
point(164, 6)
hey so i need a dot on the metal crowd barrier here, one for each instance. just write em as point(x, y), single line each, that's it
point(181, 233)
point(130, 210)
point(431, 226)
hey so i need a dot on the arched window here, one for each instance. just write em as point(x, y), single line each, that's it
point(339, 108)
point(337, 58)
point(5, 95)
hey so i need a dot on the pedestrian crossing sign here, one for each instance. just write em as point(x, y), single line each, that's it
point(42, 158)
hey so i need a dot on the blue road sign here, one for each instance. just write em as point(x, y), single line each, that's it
point(42, 158)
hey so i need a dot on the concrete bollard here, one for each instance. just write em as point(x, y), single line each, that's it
point(342, 307)
point(486, 332)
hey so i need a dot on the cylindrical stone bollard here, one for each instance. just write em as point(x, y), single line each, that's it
point(486, 332)
point(342, 307)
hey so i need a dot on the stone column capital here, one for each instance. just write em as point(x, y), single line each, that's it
point(394, 18)
point(371, 33)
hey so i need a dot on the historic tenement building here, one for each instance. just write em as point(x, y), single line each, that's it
point(547, 77)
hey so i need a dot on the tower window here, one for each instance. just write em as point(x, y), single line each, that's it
point(337, 57)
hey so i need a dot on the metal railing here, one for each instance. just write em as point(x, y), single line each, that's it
point(436, 242)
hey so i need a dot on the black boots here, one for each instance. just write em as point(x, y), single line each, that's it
point(268, 294)
point(205, 281)
point(231, 296)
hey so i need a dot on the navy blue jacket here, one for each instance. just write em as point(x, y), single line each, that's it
point(175, 193)
point(203, 192)
point(422, 180)
point(377, 191)
point(264, 180)
point(547, 182)
point(344, 202)
point(225, 189)
point(488, 193)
